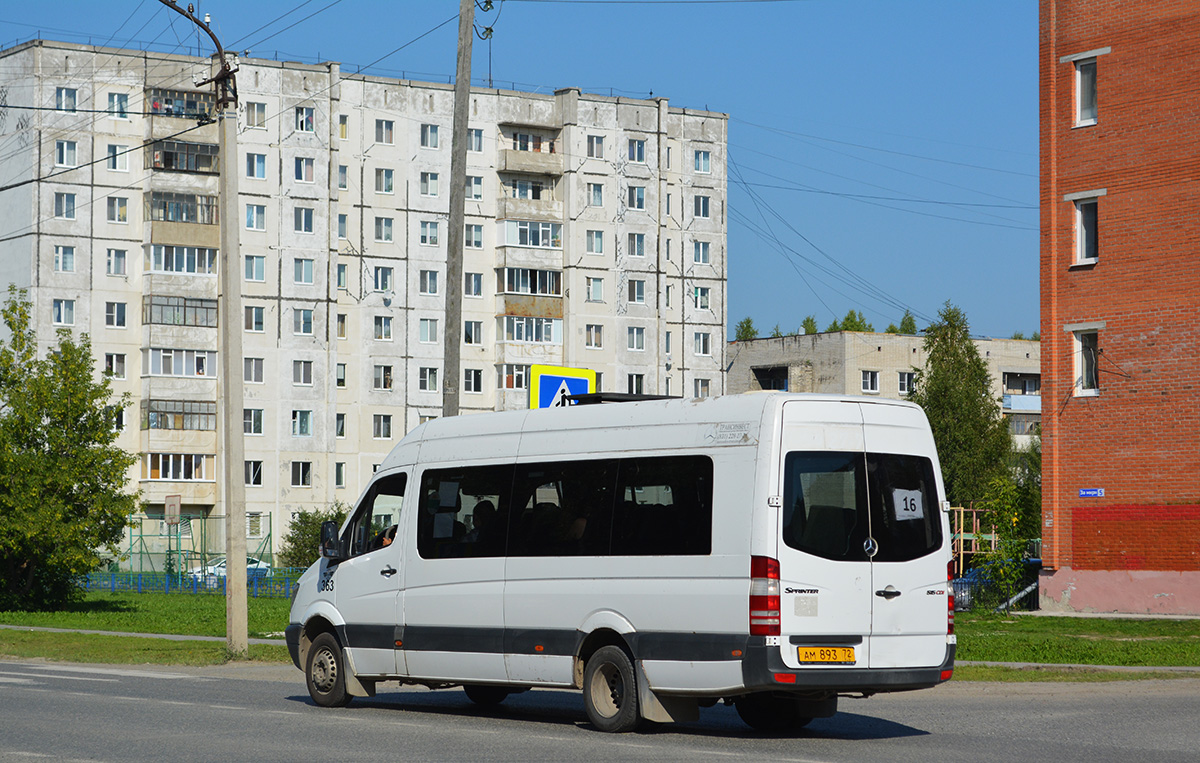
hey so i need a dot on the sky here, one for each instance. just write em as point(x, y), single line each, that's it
point(882, 153)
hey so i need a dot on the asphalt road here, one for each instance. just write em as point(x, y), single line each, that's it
point(262, 713)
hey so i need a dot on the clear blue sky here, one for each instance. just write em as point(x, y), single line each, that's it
point(883, 153)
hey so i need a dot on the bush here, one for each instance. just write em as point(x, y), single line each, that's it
point(301, 545)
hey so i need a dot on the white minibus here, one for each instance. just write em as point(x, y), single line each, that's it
point(773, 551)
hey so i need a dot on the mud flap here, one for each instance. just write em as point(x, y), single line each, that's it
point(355, 687)
point(661, 709)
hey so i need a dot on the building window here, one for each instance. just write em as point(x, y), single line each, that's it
point(342, 226)
point(114, 364)
point(535, 234)
point(341, 325)
point(429, 233)
point(475, 140)
point(532, 281)
point(256, 115)
point(700, 297)
point(429, 136)
point(637, 291)
point(702, 343)
point(595, 242)
point(170, 362)
point(178, 311)
point(302, 322)
point(526, 189)
point(870, 381)
point(703, 162)
point(636, 336)
point(115, 262)
point(181, 259)
point(595, 194)
point(183, 208)
point(594, 336)
point(473, 284)
point(429, 184)
point(384, 131)
point(427, 379)
point(905, 381)
point(252, 421)
point(303, 220)
point(64, 206)
point(512, 376)
point(428, 330)
point(383, 327)
point(256, 267)
point(595, 146)
point(177, 467)
point(65, 98)
point(427, 282)
point(118, 105)
point(381, 426)
point(302, 268)
point(118, 158)
point(1085, 92)
point(382, 378)
point(339, 474)
point(473, 236)
point(302, 474)
point(635, 383)
point(339, 425)
point(1087, 239)
point(637, 244)
point(304, 119)
point(474, 187)
point(340, 375)
point(667, 343)
point(383, 279)
point(1087, 363)
point(637, 151)
point(302, 373)
point(701, 387)
point(700, 252)
point(254, 475)
point(256, 217)
point(473, 332)
point(114, 314)
point(64, 312)
point(700, 204)
point(343, 126)
point(254, 319)
point(252, 370)
point(473, 380)
point(343, 177)
point(383, 229)
point(528, 330)
point(637, 197)
point(301, 423)
point(595, 289)
point(304, 169)
point(384, 180)
point(64, 259)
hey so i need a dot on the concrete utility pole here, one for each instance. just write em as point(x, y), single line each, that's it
point(458, 198)
point(229, 301)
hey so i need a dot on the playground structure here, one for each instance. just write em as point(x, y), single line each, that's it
point(158, 546)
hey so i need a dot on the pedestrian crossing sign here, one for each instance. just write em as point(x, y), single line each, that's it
point(549, 386)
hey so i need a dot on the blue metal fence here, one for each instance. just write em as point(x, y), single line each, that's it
point(276, 585)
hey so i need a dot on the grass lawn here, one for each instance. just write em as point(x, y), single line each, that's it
point(197, 615)
point(85, 647)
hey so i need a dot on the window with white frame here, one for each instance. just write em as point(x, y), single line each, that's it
point(381, 426)
point(341, 223)
point(303, 220)
point(301, 423)
point(65, 98)
point(637, 151)
point(302, 270)
point(256, 267)
point(637, 244)
point(512, 376)
point(118, 209)
point(256, 217)
point(114, 364)
point(1087, 362)
point(595, 242)
point(529, 330)
point(637, 197)
point(118, 105)
point(343, 177)
point(1085, 92)
point(427, 379)
point(65, 153)
point(637, 291)
point(304, 169)
point(474, 187)
point(114, 314)
point(667, 343)
point(252, 370)
point(302, 373)
point(533, 234)
point(701, 387)
point(304, 119)
point(341, 326)
point(636, 338)
point(473, 380)
point(523, 188)
point(702, 343)
point(700, 252)
point(343, 126)
point(252, 421)
point(473, 236)
point(472, 284)
point(473, 332)
point(595, 289)
point(700, 297)
point(384, 131)
point(635, 384)
point(118, 158)
point(115, 263)
point(595, 194)
point(383, 229)
point(343, 276)
point(254, 474)
point(161, 361)
point(427, 282)
point(703, 162)
point(339, 474)
point(383, 327)
point(383, 278)
point(595, 146)
point(429, 233)
point(254, 318)
point(178, 467)
point(302, 322)
point(1087, 239)
point(339, 425)
point(428, 330)
point(700, 206)
point(905, 381)
point(64, 206)
point(302, 474)
point(63, 312)
point(381, 378)
point(429, 136)
point(64, 259)
point(532, 281)
point(384, 180)
point(594, 336)
point(256, 115)
point(429, 184)
point(870, 381)
point(163, 258)
point(256, 166)
point(475, 140)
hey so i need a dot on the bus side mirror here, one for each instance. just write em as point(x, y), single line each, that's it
point(330, 545)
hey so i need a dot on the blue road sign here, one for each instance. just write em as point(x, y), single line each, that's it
point(550, 385)
point(1091, 492)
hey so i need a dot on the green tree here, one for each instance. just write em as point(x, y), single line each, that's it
point(1005, 563)
point(955, 389)
point(908, 323)
point(809, 324)
point(1018, 335)
point(834, 326)
point(301, 545)
point(62, 477)
point(892, 329)
point(1027, 473)
point(745, 330)
point(854, 321)
point(776, 332)
point(1036, 336)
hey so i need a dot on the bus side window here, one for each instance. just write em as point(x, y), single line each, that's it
point(378, 515)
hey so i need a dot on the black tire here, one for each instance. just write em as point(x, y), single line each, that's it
point(487, 696)
point(610, 692)
point(325, 672)
point(770, 712)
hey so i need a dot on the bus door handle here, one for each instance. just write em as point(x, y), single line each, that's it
point(388, 571)
point(888, 593)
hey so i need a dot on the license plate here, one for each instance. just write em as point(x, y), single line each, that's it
point(829, 655)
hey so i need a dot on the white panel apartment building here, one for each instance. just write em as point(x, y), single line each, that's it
point(595, 238)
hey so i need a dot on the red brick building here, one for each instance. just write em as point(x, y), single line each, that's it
point(1120, 280)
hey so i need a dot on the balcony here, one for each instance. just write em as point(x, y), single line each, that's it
point(530, 162)
point(1023, 403)
point(530, 209)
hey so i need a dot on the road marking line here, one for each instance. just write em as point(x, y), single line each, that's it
point(4, 680)
point(59, 678)
point(228, 707)
point(102, 671)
